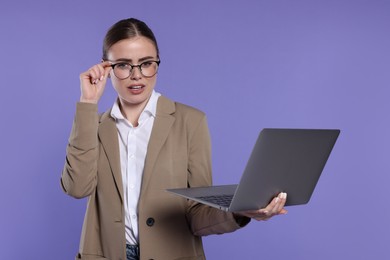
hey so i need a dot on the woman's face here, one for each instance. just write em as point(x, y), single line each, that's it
point(135, 90)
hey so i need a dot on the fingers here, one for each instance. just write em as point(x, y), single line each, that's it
point(274, 208)
point(93, 82)
point(99, 72)
point(278, 203)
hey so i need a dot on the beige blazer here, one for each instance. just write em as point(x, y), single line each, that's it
point(179, 155)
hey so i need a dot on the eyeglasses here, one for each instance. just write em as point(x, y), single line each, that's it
point(123, 70)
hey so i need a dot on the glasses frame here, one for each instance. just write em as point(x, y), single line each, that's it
point(139, 66)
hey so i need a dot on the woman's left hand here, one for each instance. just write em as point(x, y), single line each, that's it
point(276, 207)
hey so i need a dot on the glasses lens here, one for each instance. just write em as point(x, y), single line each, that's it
point(122, 70)
point(149, 68)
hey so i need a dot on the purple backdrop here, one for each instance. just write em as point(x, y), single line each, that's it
point(248, 65)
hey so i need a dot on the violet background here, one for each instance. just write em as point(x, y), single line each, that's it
point(248, 65)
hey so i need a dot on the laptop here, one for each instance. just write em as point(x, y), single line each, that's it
point(282, 160)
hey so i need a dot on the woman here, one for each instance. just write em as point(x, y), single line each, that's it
point(125, 159)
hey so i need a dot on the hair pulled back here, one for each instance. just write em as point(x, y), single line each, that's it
point(126, 29)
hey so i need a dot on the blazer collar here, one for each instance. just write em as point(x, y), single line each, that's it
point(161, 128)
point(108, 135)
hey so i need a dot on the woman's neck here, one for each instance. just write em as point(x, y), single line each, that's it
point(132, 112)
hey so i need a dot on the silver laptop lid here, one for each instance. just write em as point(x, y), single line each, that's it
point(284, 160)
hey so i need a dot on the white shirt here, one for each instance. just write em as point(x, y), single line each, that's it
point(133, 143)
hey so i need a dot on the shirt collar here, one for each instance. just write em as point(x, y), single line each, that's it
point(150, 109)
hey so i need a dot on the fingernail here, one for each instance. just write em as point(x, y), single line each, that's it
point(277, 199)
point(102, 77)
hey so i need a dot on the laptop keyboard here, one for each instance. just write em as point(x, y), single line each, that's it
point(222, 200)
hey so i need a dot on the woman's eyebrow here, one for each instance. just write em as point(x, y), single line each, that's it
point(140, 60)
point(146, 58)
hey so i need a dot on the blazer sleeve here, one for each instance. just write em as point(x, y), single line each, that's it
point(79, 176)
point(205, 220)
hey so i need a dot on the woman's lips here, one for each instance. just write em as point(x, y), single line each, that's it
point(136, 89)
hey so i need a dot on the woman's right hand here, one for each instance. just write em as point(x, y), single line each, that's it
point(93, 82)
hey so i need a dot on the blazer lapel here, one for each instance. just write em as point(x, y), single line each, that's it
point(108, 135)
point(161, 128)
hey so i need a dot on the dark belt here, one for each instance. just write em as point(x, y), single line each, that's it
point(132, 252)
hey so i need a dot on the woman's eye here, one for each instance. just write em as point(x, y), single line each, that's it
point(123, 66)
point(146, 64)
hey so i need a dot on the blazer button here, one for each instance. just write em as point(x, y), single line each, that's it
point(150, 222)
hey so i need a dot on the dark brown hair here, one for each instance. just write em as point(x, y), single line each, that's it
point(126, 29)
